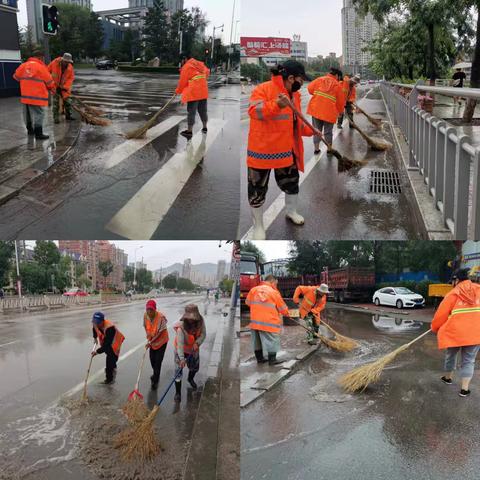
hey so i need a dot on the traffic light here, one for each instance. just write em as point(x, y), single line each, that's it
point(49, 19)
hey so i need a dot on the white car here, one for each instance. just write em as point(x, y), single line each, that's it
point(393, 325)
point(399, 297)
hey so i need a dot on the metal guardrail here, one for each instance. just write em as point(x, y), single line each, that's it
point(446, 159)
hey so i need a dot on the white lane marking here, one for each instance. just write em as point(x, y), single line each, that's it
point(9, 343)
point(20, 340)
point(141, 216)
point(129, 147)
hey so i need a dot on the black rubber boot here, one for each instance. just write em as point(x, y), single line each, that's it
point(39, 135)
point(259, 356)
point(272, 359)
point(191, 381)
point(30, 130)
point(178, 392)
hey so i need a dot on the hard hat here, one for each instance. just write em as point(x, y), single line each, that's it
point(98, 318)
point(323, 288)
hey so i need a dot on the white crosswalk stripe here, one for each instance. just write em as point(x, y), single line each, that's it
point(141, 216)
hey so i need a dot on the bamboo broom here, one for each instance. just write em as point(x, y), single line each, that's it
point(84, 399)
point(345, 163)
point(88, 108)
point(374, 121)
point(359, 378)
point(378, 144)
point(141, 131)
point(90, 118)
point(348, 342)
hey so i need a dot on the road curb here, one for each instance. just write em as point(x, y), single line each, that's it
point(14, 192)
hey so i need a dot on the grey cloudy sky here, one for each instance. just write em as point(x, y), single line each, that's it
point(319, 22)
point(218, 12)
point(273, 249)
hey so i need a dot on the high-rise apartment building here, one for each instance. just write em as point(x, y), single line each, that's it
point(221, 266)
point(187, 268)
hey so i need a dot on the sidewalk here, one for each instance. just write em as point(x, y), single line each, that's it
point(22, 158)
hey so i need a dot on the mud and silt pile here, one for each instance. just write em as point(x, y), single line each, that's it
point(77, 433)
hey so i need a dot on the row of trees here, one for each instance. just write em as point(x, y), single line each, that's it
point(423, 38)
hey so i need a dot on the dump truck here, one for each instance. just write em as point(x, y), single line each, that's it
point(349, 283)
point(250, 271)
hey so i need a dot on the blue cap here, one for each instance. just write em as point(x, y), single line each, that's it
point(98, 318)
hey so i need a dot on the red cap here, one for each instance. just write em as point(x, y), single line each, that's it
point(151, 304)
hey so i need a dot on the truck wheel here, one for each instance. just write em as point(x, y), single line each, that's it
point(399, 304)
point(341, 296)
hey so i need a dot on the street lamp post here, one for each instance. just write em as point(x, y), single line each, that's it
point(19, 281)
point(231, 32)
point(135, 268)
point(213, 40)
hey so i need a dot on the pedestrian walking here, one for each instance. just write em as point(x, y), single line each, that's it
point(266, 322)
point(312, 300)
point(190, 332)
point(110, 340)
point(275, 142)
point(326, 104)
point(155, 324)
point(350, 92)
point(35, 83)
point(458, 79)
point(63, 75)
point(2, 293)
point(193, 86)
point(457, 324)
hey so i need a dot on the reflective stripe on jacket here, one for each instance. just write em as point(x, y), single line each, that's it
point(64, 81)
point(457, 319)
point(117, 340)
point(275, 135)
point(189, 338)
point(152, 330)
point(266, 307)
point(193, 84)
point(328, 98)
point(35, 82)
point(308, 300)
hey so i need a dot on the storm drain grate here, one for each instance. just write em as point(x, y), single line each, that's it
point(384, 181)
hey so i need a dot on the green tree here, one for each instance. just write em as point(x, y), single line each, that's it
point(185, 284)
point(144, 279)
point(249, 247)
point(106, 268)
point(155, 31)
point(257, 73)
point(170, 281)
point(226, 285)
point(190, 22)
point(128, 275)
point(46, 253)
point(93, 36)
point(6, 257)
point(308, 257)
point(27, 44)
point(33, 277)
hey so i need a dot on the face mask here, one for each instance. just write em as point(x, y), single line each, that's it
point(296, 86)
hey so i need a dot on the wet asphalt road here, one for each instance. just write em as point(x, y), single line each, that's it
point(107, 180)
point(339, 204)
point(46, 355)
point(407, 426)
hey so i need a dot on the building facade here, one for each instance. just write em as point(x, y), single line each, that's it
point(221, 267)
point(187, 268)
point(9, 48)
point(299, 49)
point(357, 33)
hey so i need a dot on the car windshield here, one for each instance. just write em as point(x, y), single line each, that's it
point(403, 290)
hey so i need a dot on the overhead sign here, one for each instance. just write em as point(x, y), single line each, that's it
point(259, 46)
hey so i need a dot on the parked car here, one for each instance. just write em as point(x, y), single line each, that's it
point(75, 292)
point(105, 64)
point(399, 297)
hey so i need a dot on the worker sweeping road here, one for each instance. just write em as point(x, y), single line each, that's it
point(275, 142)
point(155, 325)
point(193, 87)
point(350, 91)
point(312, 301)
point(35, 83)
point(457, 324)
point(326, 104)
point(110, 340)
point(190, 332)
point(63, 75)
point(266, 323)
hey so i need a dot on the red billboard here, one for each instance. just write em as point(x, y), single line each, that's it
point(258, 46)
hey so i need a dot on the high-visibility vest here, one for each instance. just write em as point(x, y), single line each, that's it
point(62, 79)
point(189, 338)
point(328, 99)
point(266, 307)
point(35, 82)
point(193, 84)
point(308, 300)
point(117, 339)
point(275, 135)
point(152, 328)
point(352, 92)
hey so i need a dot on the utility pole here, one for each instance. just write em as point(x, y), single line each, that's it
point(19, 281)
point(231, 33)
point(180, 34)
point(213, 40)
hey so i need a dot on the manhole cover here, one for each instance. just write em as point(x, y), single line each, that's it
point(384, 181)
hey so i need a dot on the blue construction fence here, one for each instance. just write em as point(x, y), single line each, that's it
point(407, 277)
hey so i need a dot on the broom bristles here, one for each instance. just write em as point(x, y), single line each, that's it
point(378, 144)
point(359, 378)
point(139, 441)
point(350, 342)
point(91, 119)
point(135, 410)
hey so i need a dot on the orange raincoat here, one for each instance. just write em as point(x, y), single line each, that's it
point(275, 135)
point(457, 320)
point(64, 79)
point(192, 84)
point(328, 100)
point(35, 82)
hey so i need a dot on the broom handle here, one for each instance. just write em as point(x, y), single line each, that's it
point(315, 334)
point(164, 107)
point(177, 374)
point(89, 367)
point(418, 338)
point(141, 368)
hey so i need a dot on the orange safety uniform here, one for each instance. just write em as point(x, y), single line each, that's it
point(345, 83)
point(152, 329)
point(117, 339)
point(352, 92)
point(35, 82)
point(309, 302)
point(63, 80)
point(189, 338)
point(266, 307)
point(193, 81)
point(328, 99)
point(275, 135)
point(457, 320)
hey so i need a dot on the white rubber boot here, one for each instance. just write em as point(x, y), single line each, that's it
point(291, 202)
point(258, 228)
